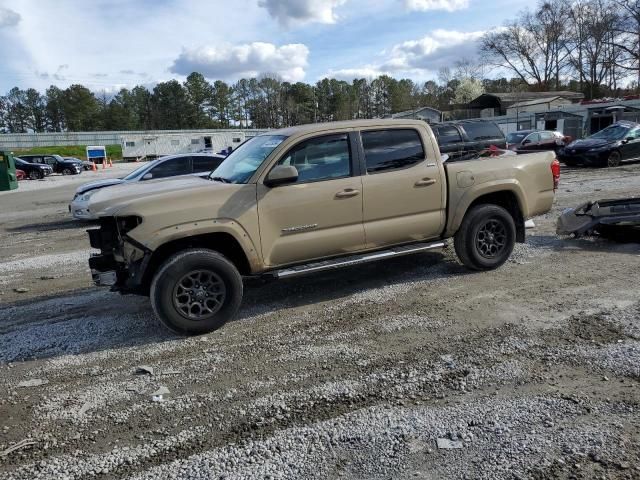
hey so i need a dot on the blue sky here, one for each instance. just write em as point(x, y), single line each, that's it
point(108, 44)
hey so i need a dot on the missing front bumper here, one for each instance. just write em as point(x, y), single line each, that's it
point(601, 216)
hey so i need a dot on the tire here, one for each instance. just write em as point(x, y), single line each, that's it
point(219, 290)
point(485, 238)
point(614, 159)
point(36, 175)
point(67, 171)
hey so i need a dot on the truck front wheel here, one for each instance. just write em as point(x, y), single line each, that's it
point(196, 291)
point(486, 237)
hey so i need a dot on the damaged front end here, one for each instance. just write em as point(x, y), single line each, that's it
point(122, 260)
point(617, 219)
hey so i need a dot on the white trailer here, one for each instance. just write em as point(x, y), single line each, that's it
point(157, 144)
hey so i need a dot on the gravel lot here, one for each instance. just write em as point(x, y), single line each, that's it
point(412, 368)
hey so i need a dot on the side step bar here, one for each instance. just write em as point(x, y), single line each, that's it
point(357, 259)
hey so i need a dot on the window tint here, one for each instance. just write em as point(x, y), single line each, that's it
point(482, 131)
point(391, 149)
point(545, 136)
point(635, 133)
point(516, 137)
point(173, 167)
point(534, 137)
point(50, 160)
point(205, 164)
point(321, 158)
point(447, 134)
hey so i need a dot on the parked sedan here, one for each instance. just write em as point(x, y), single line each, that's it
point(85, 164)
point(608, 147)
point(56, 162)
point(171, 166)
point(35, 171)
point(535, 140)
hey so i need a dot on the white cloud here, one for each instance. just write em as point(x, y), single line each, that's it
point(424, 5)
point(441, 48)
point(248, 60)
point(8, 18)
point(289, 12)
point(420, 58)
point(348, 74)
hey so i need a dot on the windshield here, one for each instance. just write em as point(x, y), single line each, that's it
point(242, 163)
point(138, 171)
point(614, 132)
point(516, 137)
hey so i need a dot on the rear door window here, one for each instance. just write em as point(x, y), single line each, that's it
point(391, 149)
point(205, 164)
point(172, 168)
point(533, 138)
point(547, 136)
point(477, 131)
point(447, 134)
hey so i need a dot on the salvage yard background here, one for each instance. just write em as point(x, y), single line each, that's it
point(532, 370)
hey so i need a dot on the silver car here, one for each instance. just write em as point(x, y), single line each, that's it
point(170, 166)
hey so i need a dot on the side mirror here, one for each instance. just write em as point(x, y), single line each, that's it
point(147, 176)
point(281, 175)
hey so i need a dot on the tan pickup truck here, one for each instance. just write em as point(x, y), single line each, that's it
point(307, 199)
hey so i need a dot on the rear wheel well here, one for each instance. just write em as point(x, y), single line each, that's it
point(509, 202)
point(223, 243)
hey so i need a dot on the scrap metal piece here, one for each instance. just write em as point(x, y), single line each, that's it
point(605, 217)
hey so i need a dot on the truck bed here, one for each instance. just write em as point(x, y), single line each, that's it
point(527, 177)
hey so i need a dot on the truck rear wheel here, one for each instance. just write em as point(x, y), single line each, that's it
point(486, 237)
point(196, 291)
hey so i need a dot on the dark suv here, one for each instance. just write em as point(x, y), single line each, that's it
point(56, 162)
point(607, 148)
point(464, 139)
point(35, 171)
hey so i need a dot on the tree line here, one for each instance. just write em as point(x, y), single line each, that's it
point(592, 46)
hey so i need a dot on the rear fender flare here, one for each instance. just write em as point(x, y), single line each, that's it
point(477, 191)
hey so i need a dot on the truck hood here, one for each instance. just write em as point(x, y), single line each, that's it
point(109, 201)
point(99, 184)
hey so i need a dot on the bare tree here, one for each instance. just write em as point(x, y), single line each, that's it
point(533, 46)
point(626, 36)
point(592, 54)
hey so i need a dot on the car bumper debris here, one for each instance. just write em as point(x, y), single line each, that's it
point(619, 218)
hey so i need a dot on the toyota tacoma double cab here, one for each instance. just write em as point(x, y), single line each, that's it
point(307, 199)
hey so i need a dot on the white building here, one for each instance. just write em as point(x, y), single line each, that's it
point(157, 144)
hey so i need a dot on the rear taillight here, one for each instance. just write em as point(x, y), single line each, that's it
point(555, 171)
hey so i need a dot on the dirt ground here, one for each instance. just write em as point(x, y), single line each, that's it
point(530, 371)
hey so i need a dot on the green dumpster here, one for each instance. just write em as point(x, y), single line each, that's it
point(8, 180)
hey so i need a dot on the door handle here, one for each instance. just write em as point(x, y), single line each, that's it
point(347, 193)
point(425, 182)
